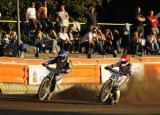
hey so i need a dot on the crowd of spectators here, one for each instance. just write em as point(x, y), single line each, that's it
point(138, 39)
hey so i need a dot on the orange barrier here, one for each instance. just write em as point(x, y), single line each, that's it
point(152, 71)
point(13, 73)
point(83, 74)
point(83, 71)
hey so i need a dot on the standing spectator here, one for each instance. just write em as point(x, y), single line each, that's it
point(42, 16)
point(153, 19)
point(0, 15)
point(63, 39)
point(139, 20)
point(62, 17)
point(31, 17)
point(91, 17)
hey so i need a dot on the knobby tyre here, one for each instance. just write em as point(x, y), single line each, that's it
point(105, 91)
point(44, 89)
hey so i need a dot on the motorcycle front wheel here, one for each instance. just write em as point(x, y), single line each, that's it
point(105, 91)
point(44, 89)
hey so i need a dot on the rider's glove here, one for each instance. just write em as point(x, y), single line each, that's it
point(64, 71)
point(128, 74)
point(107, 67)
point(44, 64)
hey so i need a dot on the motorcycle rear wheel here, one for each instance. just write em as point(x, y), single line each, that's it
point(105, 91)
point(44, 89)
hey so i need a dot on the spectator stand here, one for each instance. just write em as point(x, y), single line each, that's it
point(119, 26)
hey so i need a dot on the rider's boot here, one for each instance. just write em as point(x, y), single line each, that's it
point(50, 96)
point(117, 96)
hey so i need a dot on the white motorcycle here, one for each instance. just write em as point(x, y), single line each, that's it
point(48, 84)
point(108, 91)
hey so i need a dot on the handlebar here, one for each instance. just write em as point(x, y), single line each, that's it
point(53, 69)
point(116, 71)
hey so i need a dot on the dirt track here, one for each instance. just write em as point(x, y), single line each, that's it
point(142, 92)
point(138, 92)
point(141, 98)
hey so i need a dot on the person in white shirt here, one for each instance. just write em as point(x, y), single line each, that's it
point(62, 17)
point(88, 40)
point(63, 39)
point(31, 17)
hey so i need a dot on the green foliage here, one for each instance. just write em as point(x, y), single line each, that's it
point(75, 8)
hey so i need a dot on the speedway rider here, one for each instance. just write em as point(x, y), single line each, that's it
point(63, 64)
point(126, 68)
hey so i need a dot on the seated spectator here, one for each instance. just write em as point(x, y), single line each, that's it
point(137, 47)
point(5, 40)
point(39, 46)
point(116, 43)
point(108, 41)
point(75, 40)
point(53, 37)
point(63, 39)
point(152, 43)
point(100, 40)
point(142, 41)
point(88, 40)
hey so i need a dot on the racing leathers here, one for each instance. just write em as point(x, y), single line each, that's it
point(63, 66)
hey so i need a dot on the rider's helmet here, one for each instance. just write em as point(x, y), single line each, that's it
point(125, 60)
point(63, 55)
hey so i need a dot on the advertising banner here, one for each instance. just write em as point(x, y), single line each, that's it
point(37, 74)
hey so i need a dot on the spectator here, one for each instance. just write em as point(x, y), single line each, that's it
point(88, 40)
point(42, 16)
point(100, 40)
point(137, 46)
point(116, 42)
point(63, 39)
point(126, 38)
point(62, 17)
point(108, 41)
point(71, 37)
point(153, 20)
point(152, 45)
point(91, 17)
point(53, 37)
point(39, 46)
point(139, 20)
point(31, 16)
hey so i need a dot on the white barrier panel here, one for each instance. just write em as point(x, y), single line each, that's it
point(138, 69)
point(37, 74)
point(105, 74)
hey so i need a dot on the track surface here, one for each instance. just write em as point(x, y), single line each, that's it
point(141, 98)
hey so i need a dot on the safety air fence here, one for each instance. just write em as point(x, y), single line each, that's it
point(31, 72)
